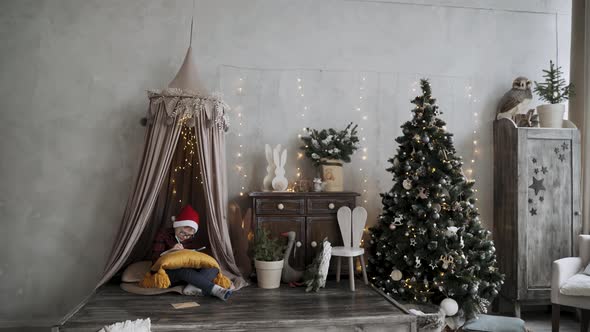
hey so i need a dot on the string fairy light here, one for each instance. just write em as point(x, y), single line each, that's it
point(364, 156)
point(239, 165)
point(189, 141)
point(303, 109)
point(364, 121)
point(472, 100)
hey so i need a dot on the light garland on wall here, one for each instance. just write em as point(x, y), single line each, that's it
point(302, 112)
point(361, 109)
point(239, 165)
point(474, 136)
point(364, 149)
point(304, 108)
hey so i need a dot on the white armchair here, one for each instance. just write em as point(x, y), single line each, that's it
point(567, 271)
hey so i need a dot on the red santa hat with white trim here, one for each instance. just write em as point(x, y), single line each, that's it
point(187, 218)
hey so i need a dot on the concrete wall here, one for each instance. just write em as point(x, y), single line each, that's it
point(73, 76)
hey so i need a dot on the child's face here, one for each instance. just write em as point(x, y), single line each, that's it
point(184, 233)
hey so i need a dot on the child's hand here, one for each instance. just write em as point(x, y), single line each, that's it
point(178, 246)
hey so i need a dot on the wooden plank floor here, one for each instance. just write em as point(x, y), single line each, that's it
point(250, 309)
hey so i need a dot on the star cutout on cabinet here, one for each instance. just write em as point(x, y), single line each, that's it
point(537, 185)
point(561, 157)
point(541, 198)
point(544, 170)
point(556, 150)
point(536, 171)
point(534, 160)
point(533, 212)
point(564, 146)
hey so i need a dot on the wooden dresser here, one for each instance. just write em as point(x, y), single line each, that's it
point(536, 206)
point(311, 215)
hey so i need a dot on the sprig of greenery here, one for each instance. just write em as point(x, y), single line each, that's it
point(554, 90)
point(330, 144)
point(267, 249)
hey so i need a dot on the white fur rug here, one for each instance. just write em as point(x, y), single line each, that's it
point(140, 325)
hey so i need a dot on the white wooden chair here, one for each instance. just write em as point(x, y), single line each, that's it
point(351, 225)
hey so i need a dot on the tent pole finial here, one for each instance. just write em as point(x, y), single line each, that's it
point(190, 42)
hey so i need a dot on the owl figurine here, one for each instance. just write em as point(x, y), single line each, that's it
point(515, 100)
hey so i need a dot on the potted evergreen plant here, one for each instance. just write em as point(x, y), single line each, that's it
point(554, 91)
point(329, 149)
point(268, 259)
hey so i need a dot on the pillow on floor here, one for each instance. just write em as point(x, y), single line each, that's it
point(157, 277)
point(136, 271)
point(578, 285)
point(488, 323)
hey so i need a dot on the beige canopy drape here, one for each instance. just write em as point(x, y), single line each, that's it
point(169, 111)
point(579, 110)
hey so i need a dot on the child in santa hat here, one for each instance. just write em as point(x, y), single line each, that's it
point(199, 281)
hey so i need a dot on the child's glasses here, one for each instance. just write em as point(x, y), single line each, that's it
point(186, 235)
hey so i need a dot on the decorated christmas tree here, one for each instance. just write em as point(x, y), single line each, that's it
point(429, 244)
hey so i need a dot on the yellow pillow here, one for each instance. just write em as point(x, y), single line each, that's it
point(158, 278)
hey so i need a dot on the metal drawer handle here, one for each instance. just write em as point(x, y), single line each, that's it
point(314, 244)
point(298, 244)
point(280, 206)
point(331, 206)
point(577, 213)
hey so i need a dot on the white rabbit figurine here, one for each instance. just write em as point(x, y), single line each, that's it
point(280, 183)
point(270, 168)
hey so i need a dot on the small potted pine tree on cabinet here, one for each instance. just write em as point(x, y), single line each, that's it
point(268, 259)
point(554, 91)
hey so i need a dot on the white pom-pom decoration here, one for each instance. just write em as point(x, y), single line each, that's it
point(449, 306)
point(173, 218)
point(396, 275)
point(407, 184)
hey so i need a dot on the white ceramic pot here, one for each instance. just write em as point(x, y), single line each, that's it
point(269, 273)
point(332, 175)
point(551, 115)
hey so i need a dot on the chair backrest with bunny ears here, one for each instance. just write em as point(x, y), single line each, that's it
point(352, 223)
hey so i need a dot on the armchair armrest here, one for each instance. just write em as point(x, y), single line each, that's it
point(562, 270)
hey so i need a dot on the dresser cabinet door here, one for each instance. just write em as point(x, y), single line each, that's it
point(282, 224)
point(317, 229)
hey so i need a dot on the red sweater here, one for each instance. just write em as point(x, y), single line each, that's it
point(165, 240)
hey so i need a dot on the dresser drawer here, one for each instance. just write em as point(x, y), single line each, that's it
point(280, 206)
point(327, 205)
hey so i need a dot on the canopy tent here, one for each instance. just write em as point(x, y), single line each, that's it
point(184, 110)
